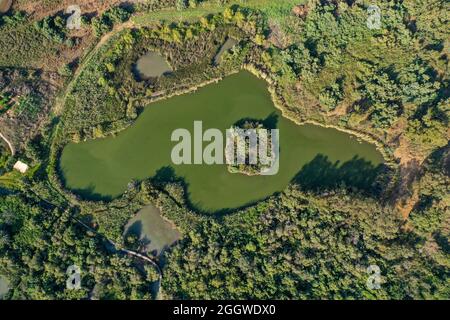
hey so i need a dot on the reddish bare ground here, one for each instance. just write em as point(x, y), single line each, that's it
point(41, 9)
point(5, 5)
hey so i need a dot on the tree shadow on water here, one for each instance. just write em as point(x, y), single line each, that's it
point(165, 175)
point(135, 229)
point(270, 122)
point(89, 194)
point(142, 240)
point(356, 174)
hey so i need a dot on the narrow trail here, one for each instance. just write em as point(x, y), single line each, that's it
point(59, 105)
point(118, 248)
point(11, 148)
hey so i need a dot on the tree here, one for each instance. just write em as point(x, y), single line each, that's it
point(65, 70)
point(181, 5)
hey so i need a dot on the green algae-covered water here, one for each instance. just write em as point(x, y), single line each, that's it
point(151, 65)
point(102, 168)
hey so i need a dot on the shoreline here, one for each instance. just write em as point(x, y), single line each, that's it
point(276, 98)
point(279, 105)
point(389, 159)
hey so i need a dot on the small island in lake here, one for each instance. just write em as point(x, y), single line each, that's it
point(241, 135)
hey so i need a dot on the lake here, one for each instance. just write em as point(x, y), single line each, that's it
point(309, 154)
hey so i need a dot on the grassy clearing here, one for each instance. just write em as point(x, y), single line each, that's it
point(5, 5)
point(11, 180)
point(276, 10)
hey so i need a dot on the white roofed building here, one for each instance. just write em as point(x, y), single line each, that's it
point(20, 166)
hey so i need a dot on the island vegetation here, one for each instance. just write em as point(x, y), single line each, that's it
point(242, 134)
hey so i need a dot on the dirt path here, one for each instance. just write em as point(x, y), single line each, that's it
point(5, 5)
point(59, 105)
point(41, 9)
point(118, 249)
point(11, 148)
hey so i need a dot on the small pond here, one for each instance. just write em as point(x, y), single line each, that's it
point(151, 65)
point(153, 231)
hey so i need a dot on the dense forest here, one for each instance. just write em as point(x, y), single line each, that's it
point(300, 246)
point(322, 64)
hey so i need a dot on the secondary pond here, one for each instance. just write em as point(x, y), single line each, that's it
point(151, 65)
point(153, 231)
point(312, 155)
